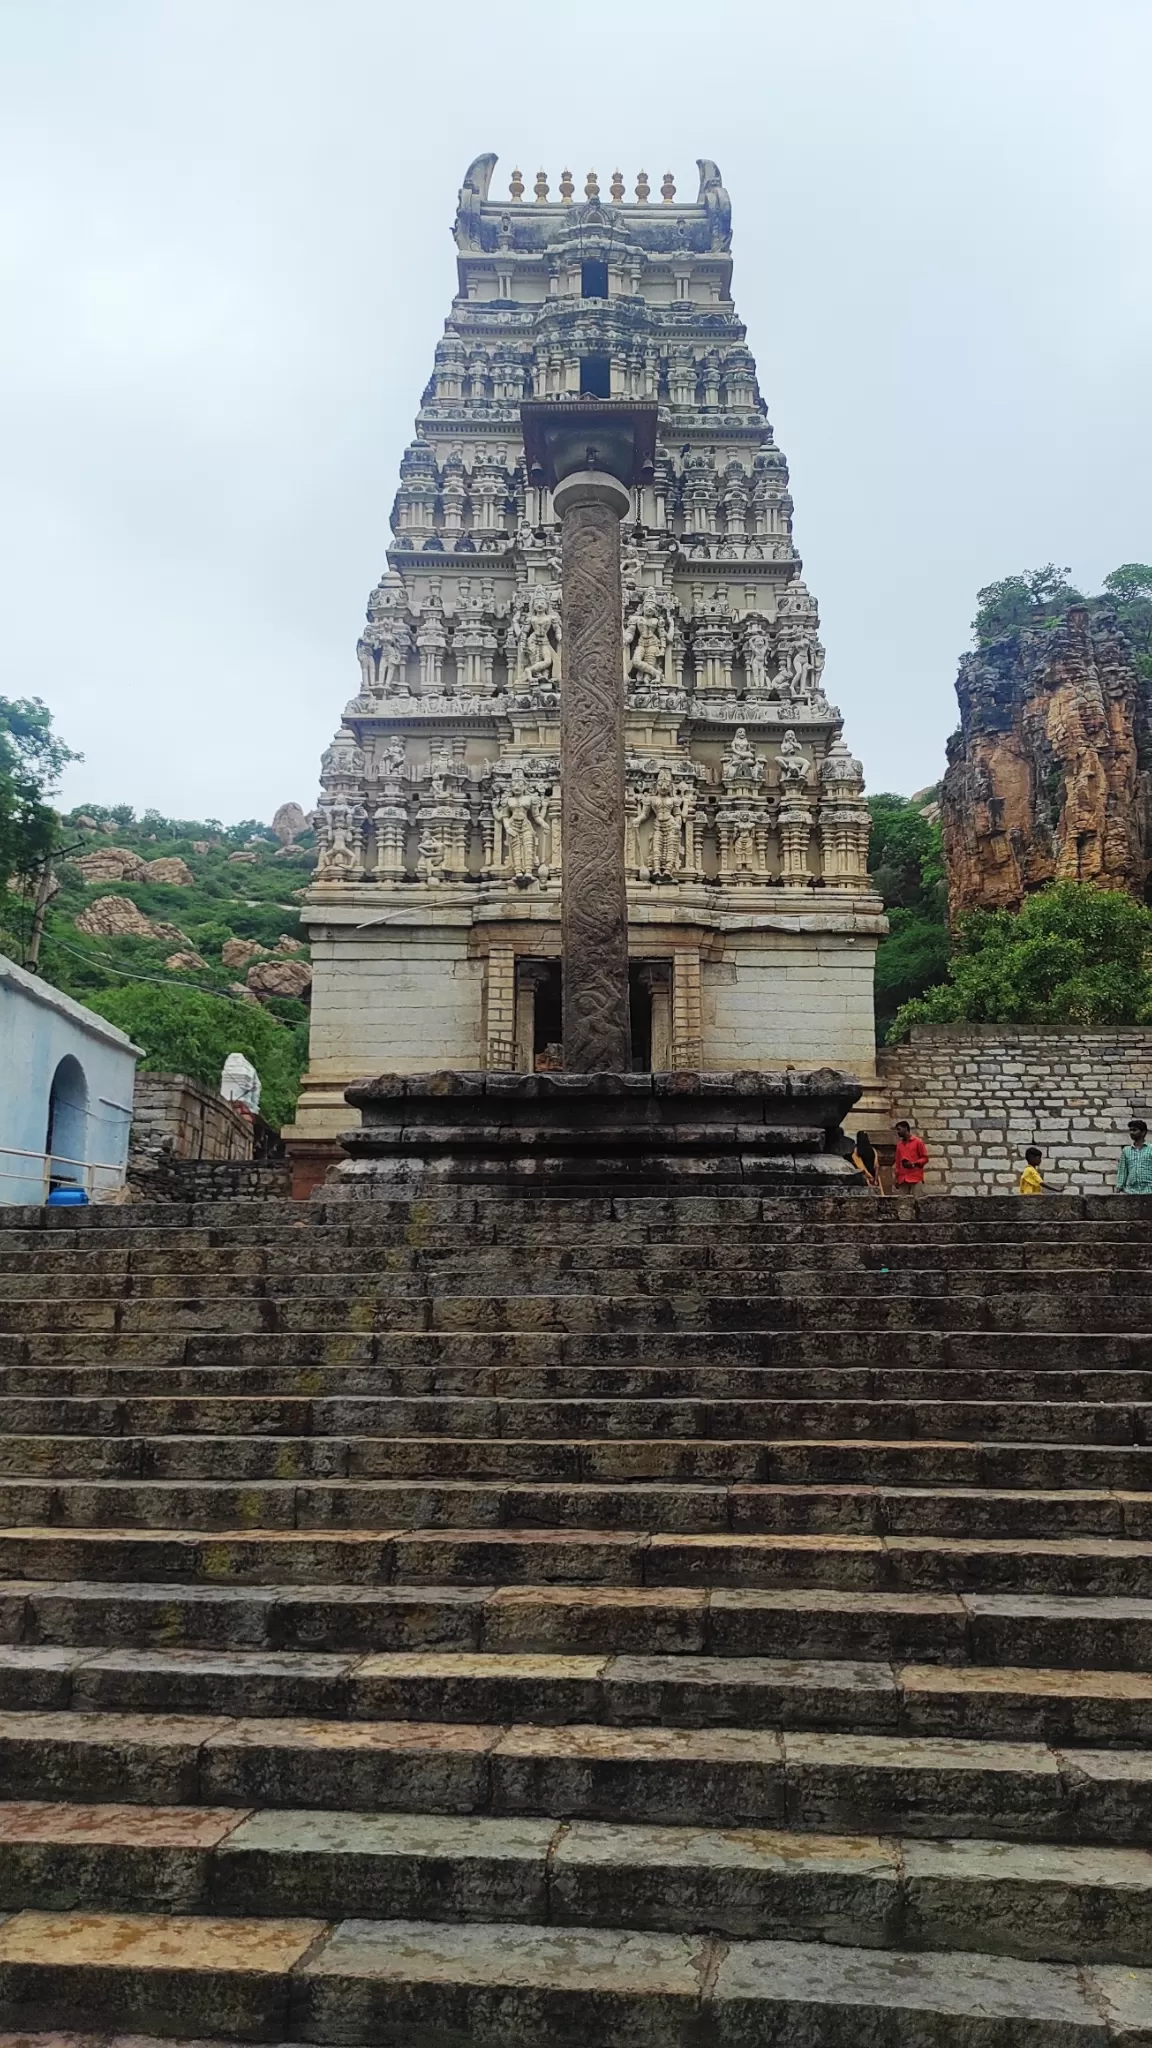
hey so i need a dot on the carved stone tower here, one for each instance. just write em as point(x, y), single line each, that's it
point(435, 907)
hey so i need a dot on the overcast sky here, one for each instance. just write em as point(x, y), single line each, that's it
point(225, 259)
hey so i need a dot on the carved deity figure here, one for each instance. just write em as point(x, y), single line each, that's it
point(541, 638)
point(793, 764)
point(646, 641)
point(799, 671)
point(756, 655)
point(741, 763)
point(520, 811)
point(393, 758)
point(392, 640)
point(744, 840)
point(338, 835)
point(667, 808)
point(430, 858)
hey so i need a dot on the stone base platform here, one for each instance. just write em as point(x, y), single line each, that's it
point(682, 1132)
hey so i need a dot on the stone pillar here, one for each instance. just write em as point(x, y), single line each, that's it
point(657, 979)
point(529, 975)
point(687, 1009)
point(593, 903)
point(501, 1010)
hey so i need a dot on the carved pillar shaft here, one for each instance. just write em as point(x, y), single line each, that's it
point(687, 1009)
point(594, 904)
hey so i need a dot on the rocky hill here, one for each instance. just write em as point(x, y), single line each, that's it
point(1050, 775)
point(177, 921)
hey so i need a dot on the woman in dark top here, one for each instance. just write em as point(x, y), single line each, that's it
point(865, 1161)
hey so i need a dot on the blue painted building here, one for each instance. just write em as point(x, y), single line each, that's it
point(66, 1082)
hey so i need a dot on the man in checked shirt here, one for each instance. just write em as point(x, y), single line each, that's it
point(1134, 1173)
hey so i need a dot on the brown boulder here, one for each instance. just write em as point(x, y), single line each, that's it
point(238, 952)
point(109, 864)
point(184, 963)
point(281, 978)
point(234, 859)
point(288, 823)
point(286, 945)
point(169, 868)
point(117, 917)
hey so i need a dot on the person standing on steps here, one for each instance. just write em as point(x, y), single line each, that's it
point(865, 1161)
point(1134, 1173)
point(910, 1160)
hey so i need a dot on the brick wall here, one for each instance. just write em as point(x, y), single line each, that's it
point(979, 1093)
point(199, 1124)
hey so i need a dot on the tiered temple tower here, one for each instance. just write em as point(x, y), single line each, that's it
point(435, 907)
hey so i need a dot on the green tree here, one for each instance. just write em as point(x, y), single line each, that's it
point(32, 758)
point(182, 1030)
point(1024, 600)
point(1129, 588)
point(907, 867)
point(1072, 955)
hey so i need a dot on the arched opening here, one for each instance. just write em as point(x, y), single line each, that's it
point(67, 1137)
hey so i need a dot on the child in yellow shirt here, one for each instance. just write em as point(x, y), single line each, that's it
point(1032, 1180)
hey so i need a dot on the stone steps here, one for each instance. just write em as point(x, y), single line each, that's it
point(459, 1416)
point(814, 1781)
point(364, 1504)
point(525, 1273)
point(811, 1622)
point(728, 1622)
point(971, 1703)
point(495, 1985)
point(1076, 1902)
point(302, 1354)
point(1068, 1565)
point(969, 1307)
point(941, 1465)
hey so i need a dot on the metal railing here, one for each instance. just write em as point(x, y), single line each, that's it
point(96, 1177)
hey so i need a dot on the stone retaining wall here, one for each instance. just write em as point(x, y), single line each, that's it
point(979, 1093)
point(200, 1124)
point(212, 1180)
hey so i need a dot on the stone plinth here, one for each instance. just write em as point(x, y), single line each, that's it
point(682, 1132)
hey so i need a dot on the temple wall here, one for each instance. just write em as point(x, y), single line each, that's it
point(396, 1001)
point(776, 999)
point(979, 1093)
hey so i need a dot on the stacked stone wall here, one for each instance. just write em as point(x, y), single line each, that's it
point(979, 1094)
point(212, 1180)
point(199, 1125)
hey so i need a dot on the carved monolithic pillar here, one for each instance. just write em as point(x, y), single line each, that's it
point(594, 905)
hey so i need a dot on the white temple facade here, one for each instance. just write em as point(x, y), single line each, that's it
point(435, 906)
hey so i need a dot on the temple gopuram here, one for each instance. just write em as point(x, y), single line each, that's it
point(434, 913)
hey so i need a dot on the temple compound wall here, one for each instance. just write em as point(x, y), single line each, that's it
point(434, 914)
point(979, 1093)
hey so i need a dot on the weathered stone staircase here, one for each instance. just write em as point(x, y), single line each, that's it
point(659, 1622)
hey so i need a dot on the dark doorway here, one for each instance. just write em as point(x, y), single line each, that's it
point(593, 279)
point(548, 1020)
point(595, 376)
point(640, 1014)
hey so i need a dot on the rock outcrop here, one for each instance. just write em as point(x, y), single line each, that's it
point(184, 963)
point(109, 864)
point(238, 952)
point(171, 869)
point(280, 978)
point(117, 917)
point(288, 823)
point(1050, 774)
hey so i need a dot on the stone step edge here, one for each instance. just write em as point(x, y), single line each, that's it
point(1071, 1902)
point(309, 1979)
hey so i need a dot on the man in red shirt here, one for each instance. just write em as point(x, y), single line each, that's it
point(911, 1159)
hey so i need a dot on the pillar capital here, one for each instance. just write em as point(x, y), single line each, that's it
point(591, 487)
